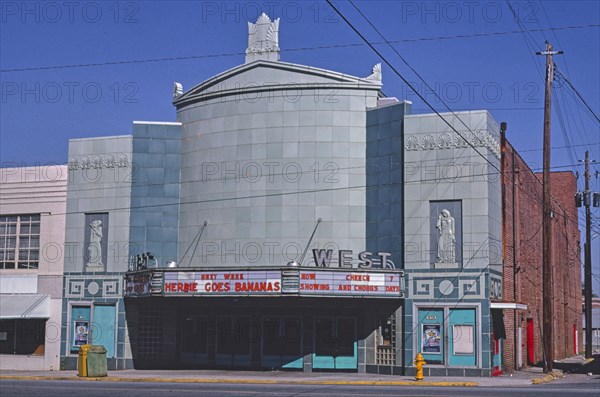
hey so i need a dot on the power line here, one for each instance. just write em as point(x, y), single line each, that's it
point(560, 147)
point(594, 115)
point(298, 49)
point(439, 115)
point(524, 109)
point(524, 189)
point(442, 165)
point(579, 106)
point(411, 86)
point(425, 101)
point(570, 150)
point(566, 132)
point(525, 33)
point(567, 69)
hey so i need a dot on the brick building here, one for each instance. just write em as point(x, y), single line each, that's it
point(522, 258)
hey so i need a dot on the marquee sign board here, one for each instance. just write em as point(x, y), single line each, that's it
point(349, 283)
point(266, 282)
point(137, 284)
point(245, 282)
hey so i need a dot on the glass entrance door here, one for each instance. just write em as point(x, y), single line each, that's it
point(194, 341)
point(335, 343)
point(234, 337)
point(281, 342)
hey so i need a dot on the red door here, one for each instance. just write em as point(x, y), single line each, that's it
point(575, 341)
point(530, 346)
point(496, 357)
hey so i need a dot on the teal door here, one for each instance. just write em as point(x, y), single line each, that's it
point(103, 331)
point(281, 343)
point(80, 327)
point(462, 342)
point(430, 335)
point(335, 343)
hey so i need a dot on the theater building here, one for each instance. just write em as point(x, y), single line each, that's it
point(290, 218)
point(249, 233)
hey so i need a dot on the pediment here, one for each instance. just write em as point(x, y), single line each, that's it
point(268, 75)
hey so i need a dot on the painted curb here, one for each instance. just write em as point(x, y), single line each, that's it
point(547, 378)
point(248, 381)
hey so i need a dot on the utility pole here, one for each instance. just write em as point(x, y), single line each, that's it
point(588, 262)
point(547, 287)
point(588, 199)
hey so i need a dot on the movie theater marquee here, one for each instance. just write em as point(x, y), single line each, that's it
point(301, 281)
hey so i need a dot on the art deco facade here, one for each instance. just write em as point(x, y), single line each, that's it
point(293, 217)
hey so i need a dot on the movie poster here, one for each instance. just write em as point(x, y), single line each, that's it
point(431, 340)
point(80, 334)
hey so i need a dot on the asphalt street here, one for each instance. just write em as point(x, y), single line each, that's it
point(42, 388)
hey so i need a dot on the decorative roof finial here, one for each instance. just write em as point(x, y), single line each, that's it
point(177, 90)
point(376, 74)
point(263, 39)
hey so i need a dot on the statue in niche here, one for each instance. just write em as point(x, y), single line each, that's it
point(95, 247)
point(446, 248)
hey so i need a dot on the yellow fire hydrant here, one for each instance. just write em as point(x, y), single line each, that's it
point(419, 363)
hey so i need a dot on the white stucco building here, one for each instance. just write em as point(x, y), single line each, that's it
point(32, 230)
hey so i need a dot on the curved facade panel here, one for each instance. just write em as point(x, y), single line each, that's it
point(263, 160)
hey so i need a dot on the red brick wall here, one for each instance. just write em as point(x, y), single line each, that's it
point(522, 257)
point(567, 263)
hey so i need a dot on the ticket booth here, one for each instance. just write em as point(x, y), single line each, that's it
point(447, 336)
point(431, 335)
point(462, 341)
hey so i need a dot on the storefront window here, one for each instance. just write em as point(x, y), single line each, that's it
point(463, 339)
point(23, 337)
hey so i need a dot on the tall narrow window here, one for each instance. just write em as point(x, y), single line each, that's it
point(19, 241)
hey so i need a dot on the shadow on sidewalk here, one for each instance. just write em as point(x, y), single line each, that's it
point(579, 367)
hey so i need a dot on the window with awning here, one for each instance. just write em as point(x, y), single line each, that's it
point(23, 323)
point(24, 306)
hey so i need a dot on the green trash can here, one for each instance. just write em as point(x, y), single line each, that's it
point(96, 362)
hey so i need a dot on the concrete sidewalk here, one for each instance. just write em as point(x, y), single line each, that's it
point(521, 378)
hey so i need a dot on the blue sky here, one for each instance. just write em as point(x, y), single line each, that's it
point(474, 53)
